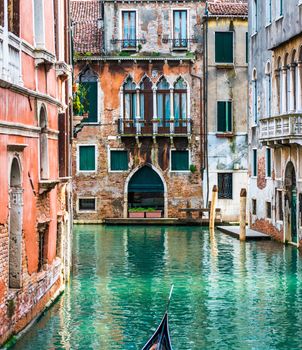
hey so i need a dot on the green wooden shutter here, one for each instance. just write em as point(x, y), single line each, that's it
point(229, 116)
point(268, 163)
point(87, 158)
point(92, 96)
point(118, 160)
point(180, 160)
point(224, 47)
point(224, 116)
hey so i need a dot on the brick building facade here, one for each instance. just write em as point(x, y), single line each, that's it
point(275, 134)
point(35, 190)
point(142, 145)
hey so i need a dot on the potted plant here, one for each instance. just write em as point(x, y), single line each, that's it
point(136, 213)
point(80, 102)
point(152, 213)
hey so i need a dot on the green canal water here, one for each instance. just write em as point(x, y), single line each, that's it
point(227, 294)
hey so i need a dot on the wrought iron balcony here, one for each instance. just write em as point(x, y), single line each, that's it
point(139, 127)
point(181, 43)
point(128, 43)
point(284, 129)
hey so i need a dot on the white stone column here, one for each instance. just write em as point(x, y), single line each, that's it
point(292, 102)
point(299, 86)
point(284, 89)
point(137, 118)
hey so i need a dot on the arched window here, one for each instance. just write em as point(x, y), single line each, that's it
point(163, 103)
point(268, 89)
point(279, 84)
point(146, 100)
point(15, 225)
point(44, 167)
point(255, 96)
point(288, 83)
point(13, 9)
point(129, 89)
point(180, 100)
point(293, 82)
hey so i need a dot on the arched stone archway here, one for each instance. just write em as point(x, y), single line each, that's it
point(15, 225)
point(145, 187)
point(290, 205)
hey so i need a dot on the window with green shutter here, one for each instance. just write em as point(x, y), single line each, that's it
point(224, 116)
point(92, 97)
point(86, 158)
point(179, 160)
point(118, 160)
point(255, 160)
point(268, 162)
point(224, 47)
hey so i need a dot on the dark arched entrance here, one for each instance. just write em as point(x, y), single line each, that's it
point(290, 203)
point(146, 189)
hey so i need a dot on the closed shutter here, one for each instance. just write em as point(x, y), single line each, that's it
point(92, 97)
point(224, 47)
point(180, 160)
point(224, 116)
point(119, 160)
point(87, 158)
point(268, 163)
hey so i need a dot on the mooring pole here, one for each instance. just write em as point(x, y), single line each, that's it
point(213, 208)
point(242, 218)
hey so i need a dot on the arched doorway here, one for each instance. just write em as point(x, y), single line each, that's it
point(290, 204)
point(15, 225)
point(146, 189)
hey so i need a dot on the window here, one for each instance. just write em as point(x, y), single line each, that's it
point(268, 102)
point(92, 97)
point(254, 206)
point(146, 99)
point(268, 162)
point(180, 100)
point(179, 160)
point(87, 158)
point(268, 210)
point(13, 8)
point(254, 170)
point(87, 204)
point(163, 103)
point(288, 88)
point(254, 17)
point(255, 101)
point(300, 209)
point(279, 81)
point(44, 161)
point(118, 160)
point(268, 11)
point(279, 8)
point(129, 29)
point(129, 99)
point(279, 205)
point(180, 37)
point(224, 47)
point(224, 116)
point(41, 258)
point(39, 23)
point(225, 186)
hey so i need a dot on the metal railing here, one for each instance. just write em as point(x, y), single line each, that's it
point(281, 127)
point(180, 43)
point(128, 43)
point(154, 127)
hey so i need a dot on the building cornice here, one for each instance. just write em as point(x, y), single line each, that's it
point(129, 58)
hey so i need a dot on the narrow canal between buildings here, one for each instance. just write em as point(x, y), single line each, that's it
point(227, 294)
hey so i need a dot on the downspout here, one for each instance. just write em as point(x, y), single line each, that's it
point(205, 99)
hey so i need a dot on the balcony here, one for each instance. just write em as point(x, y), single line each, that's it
point(179, 44)
point(128, 44)
point(282, 129)
point(153, 128)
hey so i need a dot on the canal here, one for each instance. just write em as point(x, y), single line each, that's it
point(227, 294)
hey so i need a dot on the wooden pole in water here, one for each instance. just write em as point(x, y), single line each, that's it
point(242, 218)
point(213, 208)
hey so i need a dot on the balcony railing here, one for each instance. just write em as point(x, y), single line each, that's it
point(139, 127)
point(285, 128)
point(128, 43)
point(179, 43)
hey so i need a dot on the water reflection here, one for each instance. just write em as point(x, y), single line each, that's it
point(228, 294)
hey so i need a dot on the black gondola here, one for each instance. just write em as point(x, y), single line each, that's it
point(160, 340)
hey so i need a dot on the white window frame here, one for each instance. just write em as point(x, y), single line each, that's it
point(86, 211)
point(109, 159)
point(78, 158)
point(172, 28)
point(170, 161)
point(121, 27)
point(232, 110)
point(268, 12)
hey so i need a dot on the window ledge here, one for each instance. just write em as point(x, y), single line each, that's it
point(224, 134)
point(47, 185)
point(268, 25)
point(180, 171)
point(279, 18)
point(254, 34)
point(79, 211)
point(224, 65)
